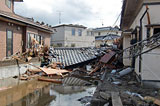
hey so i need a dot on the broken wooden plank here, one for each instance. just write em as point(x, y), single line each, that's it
point(50, 80)
point(108, 57)
point(54, 71)
point(94, 70)
point(116, 100)
point(34, 70)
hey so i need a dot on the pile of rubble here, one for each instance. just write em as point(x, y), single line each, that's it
point(117, 85)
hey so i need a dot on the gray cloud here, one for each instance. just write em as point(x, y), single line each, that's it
point(73, 11)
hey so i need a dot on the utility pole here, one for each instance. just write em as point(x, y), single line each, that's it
point(60, 14)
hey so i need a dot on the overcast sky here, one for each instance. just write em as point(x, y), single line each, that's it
point(90, 13)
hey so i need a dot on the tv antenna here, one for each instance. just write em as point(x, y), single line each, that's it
point(60, 14)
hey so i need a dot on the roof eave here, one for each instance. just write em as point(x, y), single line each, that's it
point(18, 0)
point(40, 28)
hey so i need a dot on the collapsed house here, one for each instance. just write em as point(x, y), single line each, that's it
point(17, 31)
point(141, 26)
point(74, 56)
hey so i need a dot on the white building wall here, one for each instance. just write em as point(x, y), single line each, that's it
point(79, 41)
point(150, 61)
point(96, 33)
point(126, 44)
point(58, 36)
point(64, 36)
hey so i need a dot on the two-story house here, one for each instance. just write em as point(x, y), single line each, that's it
point(140, 21)
point(102, 31)
point(106, 35)
point(16, 31)
point(69, 35)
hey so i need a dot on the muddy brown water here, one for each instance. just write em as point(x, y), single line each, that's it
point(35, 93)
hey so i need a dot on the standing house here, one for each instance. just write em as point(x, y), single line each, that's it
point(101, 31)
point(69, 35)
point(107, 39)
point(106, 35)
point(16, 31)
point(140, 20)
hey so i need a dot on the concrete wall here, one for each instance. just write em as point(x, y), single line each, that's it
point(3, 6)
point(79, 41)
point(126, 44)
point(17, 38)
point(58, 36)
point(150, 66)
point(13, 70)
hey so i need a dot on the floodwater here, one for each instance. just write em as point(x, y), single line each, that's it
point(35, 93)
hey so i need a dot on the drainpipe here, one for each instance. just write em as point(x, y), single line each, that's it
point(140, 39)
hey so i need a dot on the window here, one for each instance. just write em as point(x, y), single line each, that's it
point(59, 44)
point(33, 38)
point(40, 39)
point(88, 33)
point(73, 45)
point(28, 40)
point(148, 32)
point(73, 31)
point(156, 31)
point(79, 32)
point(9, 43)
point(99, 33)
point(8, 3)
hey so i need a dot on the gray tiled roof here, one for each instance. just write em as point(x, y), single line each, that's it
point(73, 56)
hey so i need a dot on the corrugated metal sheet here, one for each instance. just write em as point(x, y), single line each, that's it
point(106, 58)
point(73, 56)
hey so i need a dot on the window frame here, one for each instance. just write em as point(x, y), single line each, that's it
point(37, 37)
point(79, 32)
point(7, 55)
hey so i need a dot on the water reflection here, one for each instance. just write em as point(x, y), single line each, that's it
point(69, 95)
point(34, 93)
point(17, 92)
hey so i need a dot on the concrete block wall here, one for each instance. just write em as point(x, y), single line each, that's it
point(13, 70)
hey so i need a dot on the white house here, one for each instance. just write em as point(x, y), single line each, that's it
point(69, 35)
point(105, 35)
point(102, 31)
point(141, 20)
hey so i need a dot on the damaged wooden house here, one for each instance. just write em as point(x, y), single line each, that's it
point(140, 23)
point(16, 31)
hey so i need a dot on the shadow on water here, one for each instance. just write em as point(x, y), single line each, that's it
point(35, 93)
